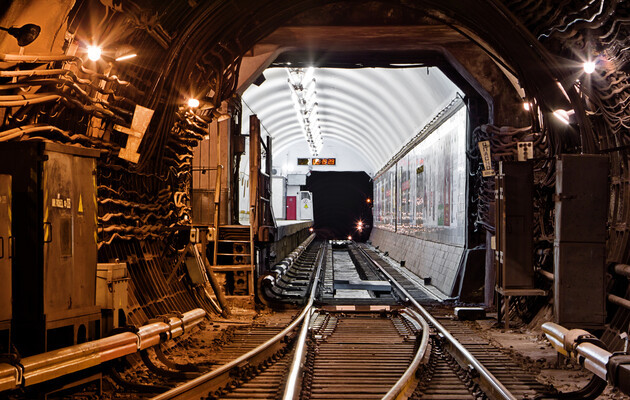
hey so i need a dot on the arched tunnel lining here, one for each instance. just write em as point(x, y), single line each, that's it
point(520, 48)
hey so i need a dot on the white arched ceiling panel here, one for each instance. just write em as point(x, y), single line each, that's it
point(366, 115)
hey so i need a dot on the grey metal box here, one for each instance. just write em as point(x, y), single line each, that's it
point(514, 220)
point(581, 198)
point(579, 285)
point(54, 225)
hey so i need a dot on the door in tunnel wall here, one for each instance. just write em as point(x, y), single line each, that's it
point(291, 208)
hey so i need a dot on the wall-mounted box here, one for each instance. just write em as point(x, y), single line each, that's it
point(514, 221)
point(296, 179)
point(279, 194)
point(580, 240)
point(54, 226)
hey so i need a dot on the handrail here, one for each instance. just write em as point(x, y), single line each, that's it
point(222, 374)
point(300, 350)
point(488, 381)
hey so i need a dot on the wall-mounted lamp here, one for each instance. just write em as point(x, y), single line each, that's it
point(566, 117)
point(25, 35)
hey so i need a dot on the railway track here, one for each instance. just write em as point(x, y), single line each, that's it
point(347, 348)
point(374, 350)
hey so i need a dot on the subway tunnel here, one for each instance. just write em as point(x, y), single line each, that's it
point(163, 157)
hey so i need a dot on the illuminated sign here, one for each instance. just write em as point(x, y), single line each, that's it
point(324, 161)
point(317, 161)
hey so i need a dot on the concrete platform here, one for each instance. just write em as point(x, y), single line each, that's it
point(291, 227)
point(289, 235)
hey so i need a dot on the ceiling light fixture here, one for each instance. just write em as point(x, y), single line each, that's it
point(25, 34)
point(303, 93)
point(125, 52)
point(94, 53)
point(193, 103)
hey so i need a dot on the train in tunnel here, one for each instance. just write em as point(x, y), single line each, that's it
point(154, 155)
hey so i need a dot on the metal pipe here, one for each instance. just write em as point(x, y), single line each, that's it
point(546, 274)
point(620, 301)
point(491, 382)
point(214, 283)
point(622, 269)
point(54, 364)
point(595, 358)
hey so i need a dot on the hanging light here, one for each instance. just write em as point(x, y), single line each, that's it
point(193, 103)
point(25, 34)
point(303, 94)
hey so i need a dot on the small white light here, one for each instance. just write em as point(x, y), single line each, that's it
point(589, 67)
point(94, 53)
point(564, 116)
point(126, 57)
point(193, 103)
point(349, 237)
point(527, 106)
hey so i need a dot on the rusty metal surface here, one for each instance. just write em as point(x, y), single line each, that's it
point(5, 253)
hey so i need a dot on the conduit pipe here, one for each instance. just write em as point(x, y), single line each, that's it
point(280, 268)
point(54, 364)
point(620, 301)
point(622, 269)
point(589, 352)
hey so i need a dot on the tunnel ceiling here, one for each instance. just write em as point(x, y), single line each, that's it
point(365, 115)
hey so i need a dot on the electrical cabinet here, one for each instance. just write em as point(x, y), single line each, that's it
point(54, 217)
point(111, 294)
point(514, 220)
point(5, 263)
point(306, 205)
point(580, 240)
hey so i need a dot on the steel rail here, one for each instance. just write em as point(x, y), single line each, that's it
point(408, 381)
point(489, 383)
point(222, 375)
point(300, 350)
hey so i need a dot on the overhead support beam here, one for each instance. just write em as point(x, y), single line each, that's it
point(253, 64)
